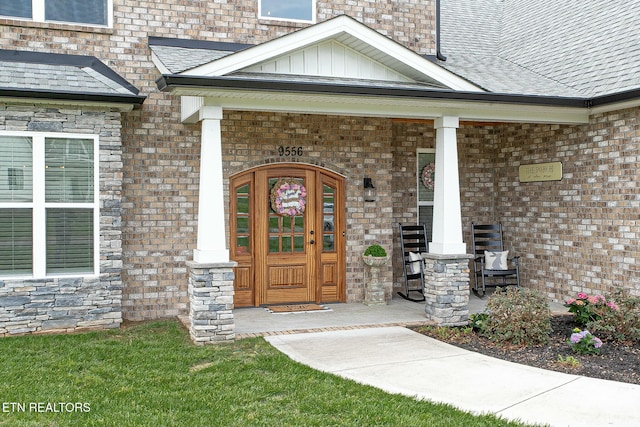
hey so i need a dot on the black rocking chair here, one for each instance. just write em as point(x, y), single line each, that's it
point(490, 258)
point(413, 239)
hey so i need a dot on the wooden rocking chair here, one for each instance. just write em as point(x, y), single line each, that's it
point(490, 258)
point(413, 239)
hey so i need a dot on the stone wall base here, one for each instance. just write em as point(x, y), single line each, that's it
point(60, 305)
point(211, 302)
point(447, 289)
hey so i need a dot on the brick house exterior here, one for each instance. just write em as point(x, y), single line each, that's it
point(574, 235)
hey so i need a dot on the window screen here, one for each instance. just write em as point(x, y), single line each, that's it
point(81, 11)
point(16, 8)
point(300, 10)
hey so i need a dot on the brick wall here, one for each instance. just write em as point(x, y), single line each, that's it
point(67, 304)
point(575, 235)
point(408, 136)
point(160, 154)
point(353, 147)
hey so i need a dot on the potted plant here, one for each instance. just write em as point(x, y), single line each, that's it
point(374, 256)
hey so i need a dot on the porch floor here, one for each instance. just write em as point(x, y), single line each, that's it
point(256, 321)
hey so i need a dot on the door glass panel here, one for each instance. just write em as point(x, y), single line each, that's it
point(274, 243)
point(243, 228)
point(328, 219)
point(286, 233)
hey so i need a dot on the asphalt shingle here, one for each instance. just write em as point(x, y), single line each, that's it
point(566, 48)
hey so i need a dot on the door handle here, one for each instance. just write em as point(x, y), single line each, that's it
point(311, 242)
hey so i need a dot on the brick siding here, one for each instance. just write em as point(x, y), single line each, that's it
point(160, 154)
point(577, 234)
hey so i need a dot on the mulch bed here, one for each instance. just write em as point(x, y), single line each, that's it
point(616, 362)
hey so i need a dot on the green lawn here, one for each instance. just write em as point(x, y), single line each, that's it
point(152, 375)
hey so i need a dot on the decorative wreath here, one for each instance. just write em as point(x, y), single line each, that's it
point(427, 175)
point(288, 197)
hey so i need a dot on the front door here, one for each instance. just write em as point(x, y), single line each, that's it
point(287, 235)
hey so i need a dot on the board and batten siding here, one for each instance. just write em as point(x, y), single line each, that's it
point(329, 59)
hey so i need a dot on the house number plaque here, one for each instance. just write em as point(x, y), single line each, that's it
point(285, 151)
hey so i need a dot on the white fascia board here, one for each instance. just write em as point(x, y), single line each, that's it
point(159, 64)
point(393, 108)
point(327, 30)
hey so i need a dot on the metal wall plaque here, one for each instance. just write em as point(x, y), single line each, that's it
point(540, 172)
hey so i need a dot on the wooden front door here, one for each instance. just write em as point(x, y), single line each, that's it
point(287, 235)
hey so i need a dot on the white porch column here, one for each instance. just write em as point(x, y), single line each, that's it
point(212, 245)
point(447, 217)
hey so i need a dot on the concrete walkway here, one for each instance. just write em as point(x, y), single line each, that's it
point(399, 360)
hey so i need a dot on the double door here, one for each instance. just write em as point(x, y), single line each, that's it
point(287, 235)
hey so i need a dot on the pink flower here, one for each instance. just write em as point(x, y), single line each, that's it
point(571, 301)
point(612, 305)
point(582, 295)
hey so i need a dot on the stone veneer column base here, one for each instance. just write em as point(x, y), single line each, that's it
point(447, 288)
point(211, 302)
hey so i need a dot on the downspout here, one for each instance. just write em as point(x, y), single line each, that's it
point(439, 54)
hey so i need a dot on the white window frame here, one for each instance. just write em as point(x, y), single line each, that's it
point(420, 203)
point(418, 171)
point(37, 10)
point(271, 18)
point(39, 206)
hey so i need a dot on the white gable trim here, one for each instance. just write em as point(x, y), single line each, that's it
point(337, 28)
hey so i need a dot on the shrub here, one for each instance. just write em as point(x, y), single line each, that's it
point(375, 250)
point(518, 316)
point(588, 308)
point(621, 324)
point(478, 321)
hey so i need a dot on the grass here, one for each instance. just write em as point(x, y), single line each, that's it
point(151, 374)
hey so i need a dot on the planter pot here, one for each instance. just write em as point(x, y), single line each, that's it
point(374, 292)
point(375, 261)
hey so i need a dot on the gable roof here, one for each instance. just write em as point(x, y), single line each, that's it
point(336, 48)
point(568, 48)
point(36, 75)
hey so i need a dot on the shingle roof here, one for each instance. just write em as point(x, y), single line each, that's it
point(546, 47)
point(178, 55)
point(64, 76)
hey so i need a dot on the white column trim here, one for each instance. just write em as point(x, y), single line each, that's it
point(447, 216)
point(212, 243)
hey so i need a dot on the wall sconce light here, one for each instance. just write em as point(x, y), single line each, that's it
point(369, 191)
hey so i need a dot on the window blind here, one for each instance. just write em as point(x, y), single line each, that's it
point(68, 170)
point(16, 169)
point(16, 241)
point(69, 240)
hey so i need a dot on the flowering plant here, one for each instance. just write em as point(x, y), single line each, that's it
point(427, 176)
point(582, 342)
point(588, 308)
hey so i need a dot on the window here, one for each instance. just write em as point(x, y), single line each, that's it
point(48, 205)
point(425, 178)
point(289, 10)
point(90, 12)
